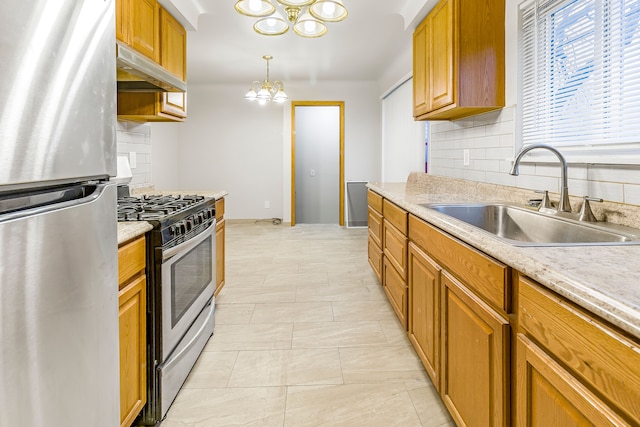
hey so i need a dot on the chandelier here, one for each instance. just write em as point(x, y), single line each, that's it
point(307, 17)
point(268, 92)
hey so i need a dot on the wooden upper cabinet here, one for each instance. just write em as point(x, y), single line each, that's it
point(174, 45)
point(420, 64)
point(123, 13)
point(145, 29)
point(458, 60)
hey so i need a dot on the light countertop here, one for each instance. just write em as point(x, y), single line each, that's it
point(129, 230)
point(602, 279)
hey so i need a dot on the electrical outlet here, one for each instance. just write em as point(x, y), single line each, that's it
point(313, 172)
point(465, 157)
point(267, 205)
point(133, 160)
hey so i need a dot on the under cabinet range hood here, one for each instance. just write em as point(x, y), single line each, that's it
point(136, 73)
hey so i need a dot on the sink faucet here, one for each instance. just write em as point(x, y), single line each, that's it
point(563, 204)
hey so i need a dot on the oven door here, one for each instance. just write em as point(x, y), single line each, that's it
point(187, 284)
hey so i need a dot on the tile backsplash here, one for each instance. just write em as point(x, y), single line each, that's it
point(490, 140)
point(135, 138)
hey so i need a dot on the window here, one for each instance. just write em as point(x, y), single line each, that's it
point(580, 76)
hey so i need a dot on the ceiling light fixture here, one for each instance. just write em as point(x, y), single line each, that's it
point(307, 17)
point(268, 92)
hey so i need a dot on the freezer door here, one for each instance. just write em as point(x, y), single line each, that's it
point(59, 358)
point(57, 91)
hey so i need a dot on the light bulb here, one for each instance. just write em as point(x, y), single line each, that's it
point(309, 26)
point(254, 5)
point(328, 8)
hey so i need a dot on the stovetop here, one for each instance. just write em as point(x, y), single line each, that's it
point(175, 219)
point(154, 207)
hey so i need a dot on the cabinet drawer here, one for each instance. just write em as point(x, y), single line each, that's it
point(486, 276)
point(375, 258)
point(395, 248)
point(395, 215)
point(131, 260)
point(396, 289)
point(375, 226)
point(375, 201)
point(219, 209)
point(601, 358)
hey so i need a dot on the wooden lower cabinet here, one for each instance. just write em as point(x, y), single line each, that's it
point(220, 227)
point(474, 358)
point(424, 310)
point(548, 395)
point(220, 246)
point(594, 366)
point(132, 319)
point(396, 289)
point(375, 258)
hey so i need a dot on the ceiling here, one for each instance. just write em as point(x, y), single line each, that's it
point(225, 48)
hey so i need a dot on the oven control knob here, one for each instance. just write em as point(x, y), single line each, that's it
point(180, 228)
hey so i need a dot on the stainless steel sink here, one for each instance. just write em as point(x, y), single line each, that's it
point(523, 227)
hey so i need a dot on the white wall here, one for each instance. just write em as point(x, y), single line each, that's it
point(228, 143)
point(402, 137)
point(132, 137)
point(165, 155)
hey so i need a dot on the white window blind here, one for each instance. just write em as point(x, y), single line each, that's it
point(580, 74)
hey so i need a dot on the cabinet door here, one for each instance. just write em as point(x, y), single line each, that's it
point(424, 310)
point(123, 20)
point(374, 219)
point(475, 358)
point(550, 396)
point(440, 45)
point(395, 248)
point(396, 289)
point(174, 103)
point(133, 347)
point(375, 258)
point(421, 104)
point(145, 29)
point(220, 226)
point(174, 45)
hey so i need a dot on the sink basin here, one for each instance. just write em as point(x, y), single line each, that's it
point(523, 227)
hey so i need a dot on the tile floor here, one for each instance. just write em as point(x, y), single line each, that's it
point(304, 337)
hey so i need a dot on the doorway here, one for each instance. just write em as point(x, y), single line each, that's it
point(317, 162)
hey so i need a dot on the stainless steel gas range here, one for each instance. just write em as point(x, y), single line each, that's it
point(181, 263)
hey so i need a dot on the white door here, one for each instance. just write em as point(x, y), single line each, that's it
point(317, 164)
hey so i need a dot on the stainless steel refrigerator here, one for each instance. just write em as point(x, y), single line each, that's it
point(59, 353)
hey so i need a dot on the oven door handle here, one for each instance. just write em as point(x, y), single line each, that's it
point(189, 244)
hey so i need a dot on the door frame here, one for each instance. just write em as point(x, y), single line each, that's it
point(295, 104)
